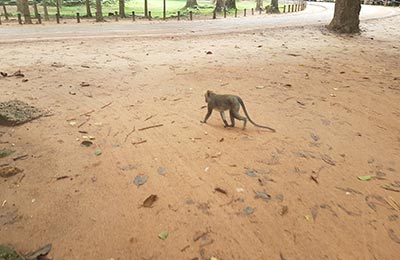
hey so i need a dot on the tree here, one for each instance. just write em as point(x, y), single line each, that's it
point(231, 4)
point(122, 8)
point(347, 16)
point(20, 6)
point(191, 3)
point(88, 11)
point(46, 13)
point(259, 4)
point(219, 5)
point(274, 6)
point(27, 13)
point(99, 12)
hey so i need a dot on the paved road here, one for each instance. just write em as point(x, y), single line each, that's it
point(315, 14)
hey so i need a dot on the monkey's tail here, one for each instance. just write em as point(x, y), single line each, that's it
point(247, 115)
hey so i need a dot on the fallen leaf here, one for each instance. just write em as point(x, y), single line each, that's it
point(40, 252)
point(86, 143)
point(365, 178)
point(262, 195)
point(209, 52)
point(9, 171)
point(98, 152)
point(148, 203)
point(220, 190)
point(163, 235)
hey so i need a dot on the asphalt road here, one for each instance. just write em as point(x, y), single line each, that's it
point(315, 14)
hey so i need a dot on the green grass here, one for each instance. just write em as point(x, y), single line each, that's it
point(155, 6)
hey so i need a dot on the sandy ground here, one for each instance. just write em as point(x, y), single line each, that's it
point(334, 101)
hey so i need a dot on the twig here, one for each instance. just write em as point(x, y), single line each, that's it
point(87, 113)
point(20, 157)
point(62, 177)
point(84, 122)
point(140, 142)
point(148, 127)
point(149, 117)
point(106, 105)
point(126, 137)
point(20, 178)
point(186, 247)
point(314, 178)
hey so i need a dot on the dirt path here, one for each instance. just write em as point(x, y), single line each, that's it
point(314, 14)
point(333, 100)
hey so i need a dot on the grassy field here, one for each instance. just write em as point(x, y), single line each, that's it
point(155, 6)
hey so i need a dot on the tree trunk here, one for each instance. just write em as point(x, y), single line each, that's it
point(219, 5)
point(46, 13)
point(122, 8)
point(58, 7)
point(99, 12)
point(35, 9)
point(275, 6)
point(231, 4)
point(88, 11)
point(347, 16)
point(146, 11)
point(259, 4)
point(191, 3)
point(27, 13)
point(5, 11)
point(20, 6)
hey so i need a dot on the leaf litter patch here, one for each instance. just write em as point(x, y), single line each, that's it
point(16, 112)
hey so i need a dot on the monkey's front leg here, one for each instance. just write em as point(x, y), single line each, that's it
point(224, 119)
point(207, 116)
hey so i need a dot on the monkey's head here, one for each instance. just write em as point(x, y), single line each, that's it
point(208, 94)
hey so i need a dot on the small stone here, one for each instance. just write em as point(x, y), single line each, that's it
point(140, 180)
point(248, 210)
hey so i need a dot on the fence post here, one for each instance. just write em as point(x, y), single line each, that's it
point(133, 16)
point(244, 12)
point(116, 16)
point(224, 12)
point(164, 9)
point(284, 8)
point(259, 11)
point(149, 15)
point(252, 11)
point(215, 14)
point(235, 12)
point(78, 18)
point(58, 17)
point(19, 18)
point(191, 15)
point(39, 18)
point(0, 19)
point(179, 15)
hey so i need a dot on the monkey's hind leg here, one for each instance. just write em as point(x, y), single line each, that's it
point(232, 118)
point(224, 119)
point(239, 117)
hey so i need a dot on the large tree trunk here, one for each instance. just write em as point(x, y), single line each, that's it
point(27, 13)
point(346, 18)
point(219, 5)
point(122, 8)
point(88, 11)
point(259, 4)
point(99, 12)
point(274, 6)
point(231, 4)
point(191, 3)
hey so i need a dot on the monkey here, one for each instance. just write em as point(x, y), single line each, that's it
point(232, 103)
